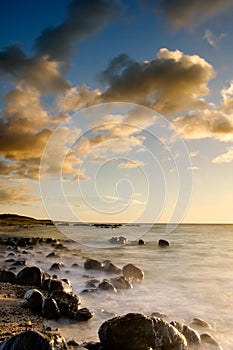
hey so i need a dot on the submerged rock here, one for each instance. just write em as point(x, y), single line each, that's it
point(141, 242)
point(92, 264)
point(83, 315)
point(107, 286)
point(163, 243)
point(108, 266)
point(121, 283)
point(198, 322)
point(56, 266)
point(131, 271)
point(207, 339)
point(190, 334)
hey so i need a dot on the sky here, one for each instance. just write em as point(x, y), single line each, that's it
point(117, 111)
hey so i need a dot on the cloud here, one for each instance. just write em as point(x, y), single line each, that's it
point(131, 164)
point(35, 72)
point(191, 13)
point(212, 38)
point(12, 194)
point(84, 18)
point(75, 98)
point(214, 121)
point(170, 83)
point(225, 157)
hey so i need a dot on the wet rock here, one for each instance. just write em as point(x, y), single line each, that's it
point(198, 322)
point(67, 303)
point(57, 284)
point(139, 332)
point(118, 240)
point(121, 283)
point(207, 339)
point(33, 300)
point(92, 345)
point(190, 334)
point(129, 332)
point(26, 341)
point(158, 315)
point(83, 315)
point(92, 264)
point(92, 283)
point(51, 255)
point(31, 276)
point(74, 265)
point(108, 266)
point(130, 271)
point(50, 309)
point(89, 290)
point(7, 276)
point(20, 262)
point(107, 286)
point(163, 243)
point(141, 242)
point(56, 266)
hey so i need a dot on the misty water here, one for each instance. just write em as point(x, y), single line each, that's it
point(193, 277)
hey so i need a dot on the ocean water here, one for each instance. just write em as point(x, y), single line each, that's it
point(193, 277)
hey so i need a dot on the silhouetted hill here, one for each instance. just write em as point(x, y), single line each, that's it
point(14, 219)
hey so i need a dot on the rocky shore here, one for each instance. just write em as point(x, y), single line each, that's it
point(30, 296)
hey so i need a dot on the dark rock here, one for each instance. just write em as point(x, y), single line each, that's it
point(130, 271)
point(20, 262)
point(92, 264)
point(138, 332)
point(31, 276)
point(118, 240)
point(67, 303)
point(72, 342)
point(129, 332)
point(92, 345)
point(11, 260)
point(83, 315)
point(51, 255)
point(121, 283)
point(89, 290)
point(26, 341)
point(56, 284)
point(7, 276)
point(107, 286)
point(74, 265)
point(163, 243)
point(56, 266)
point(141, 242)
point(50, 309)
point(33, 300)
point(108, 266)
point(190, 334)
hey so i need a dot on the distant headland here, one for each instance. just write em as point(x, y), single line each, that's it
point(14, 219)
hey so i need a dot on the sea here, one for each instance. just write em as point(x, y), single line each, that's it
point(192, 278)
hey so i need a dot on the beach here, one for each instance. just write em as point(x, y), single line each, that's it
point(165, 291)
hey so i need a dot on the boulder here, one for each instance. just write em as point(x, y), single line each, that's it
point(56, 266)
point(108, 266)
point(30, 276)
point(7, 276)
point(198, 322)
point(190, 334)
point(57, 284)
point(121, 283)
point(163, 243)
point(33, 300)
point(141, 242)
point(130, 271)
point(83, 315)
point(208, 340)
point(139, 332)
point(50, 309)
point(67, 303)
point(92, 264)
point(107, 286)
point(27, 341)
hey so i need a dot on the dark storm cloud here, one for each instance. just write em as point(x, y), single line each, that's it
point(84, 18)
point(192, 12)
